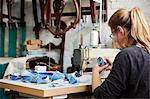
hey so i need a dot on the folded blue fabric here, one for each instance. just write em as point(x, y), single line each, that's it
point(26, 79)
point(57, 75)
point(36, 77)
point(15, 77)
point(45, 75)
point(71, 78)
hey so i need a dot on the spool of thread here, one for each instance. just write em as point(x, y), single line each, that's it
point(94, 38)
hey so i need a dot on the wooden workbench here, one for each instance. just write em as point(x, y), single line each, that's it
point(43, 90)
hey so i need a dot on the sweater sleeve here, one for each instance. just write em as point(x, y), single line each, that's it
point(115, 84)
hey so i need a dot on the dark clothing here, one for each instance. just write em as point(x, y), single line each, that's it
point(129, 77)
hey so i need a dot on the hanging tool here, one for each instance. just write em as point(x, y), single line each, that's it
point(12, 32)
point(2, 30)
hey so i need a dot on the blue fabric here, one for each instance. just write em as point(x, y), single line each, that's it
point(71, 78)
point(57, 75)
point(101, 61)
point(35, 77)
point(15, 77)
point(26, 78)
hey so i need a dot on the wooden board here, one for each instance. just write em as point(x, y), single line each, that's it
point(43, 90)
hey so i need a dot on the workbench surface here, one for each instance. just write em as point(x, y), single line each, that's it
point(44, 90)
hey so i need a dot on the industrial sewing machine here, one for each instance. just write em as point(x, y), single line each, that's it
point(82, 57)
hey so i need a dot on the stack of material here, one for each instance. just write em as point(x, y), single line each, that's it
point(54, 78)
point(34, 47)
point(33, 44)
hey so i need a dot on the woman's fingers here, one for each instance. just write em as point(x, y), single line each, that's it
point(109, 67)
point(108, 60)
point(99, 68)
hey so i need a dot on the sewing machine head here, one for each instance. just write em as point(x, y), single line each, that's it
point(82, 57)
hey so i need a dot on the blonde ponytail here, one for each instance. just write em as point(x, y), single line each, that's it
point(139, 28)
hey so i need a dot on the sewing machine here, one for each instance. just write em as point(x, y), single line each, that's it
point(82, 57)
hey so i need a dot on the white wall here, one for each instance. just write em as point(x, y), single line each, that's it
point(73, 35)
point(112, 7)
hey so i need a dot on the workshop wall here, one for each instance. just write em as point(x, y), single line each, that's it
point(73, 35)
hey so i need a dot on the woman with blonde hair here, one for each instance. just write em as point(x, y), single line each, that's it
point(130, 73)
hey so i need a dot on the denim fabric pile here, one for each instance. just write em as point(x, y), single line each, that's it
point(46, 77)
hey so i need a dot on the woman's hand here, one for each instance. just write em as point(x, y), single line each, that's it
point(109, 67)
point(95, 73)
point(98, 69)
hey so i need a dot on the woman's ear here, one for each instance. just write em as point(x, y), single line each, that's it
point(120, 30)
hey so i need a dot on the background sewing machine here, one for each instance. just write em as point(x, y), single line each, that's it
point(82, 57)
